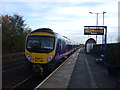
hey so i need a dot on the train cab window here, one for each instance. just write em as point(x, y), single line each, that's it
point(40, 44)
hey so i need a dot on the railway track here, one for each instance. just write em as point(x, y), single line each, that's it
point(13, 63)
point(30, 83)
point(22, 77)
point(33, 81)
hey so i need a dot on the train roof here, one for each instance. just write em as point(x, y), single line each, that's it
point(48, 30)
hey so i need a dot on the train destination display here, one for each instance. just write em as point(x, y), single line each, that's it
point(93, 31)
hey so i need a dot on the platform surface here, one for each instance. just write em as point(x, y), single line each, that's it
point(90, 74)
point(80, 71)
point(61, 77)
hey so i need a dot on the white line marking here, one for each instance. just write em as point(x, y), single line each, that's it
point(90, 73)
point(22, 82)
point(51, 74)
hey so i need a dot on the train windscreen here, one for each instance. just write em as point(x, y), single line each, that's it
point(40, 44)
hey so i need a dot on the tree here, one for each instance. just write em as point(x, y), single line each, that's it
point(14, 31)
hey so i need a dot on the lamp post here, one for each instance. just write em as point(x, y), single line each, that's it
point(96, 21)
point(97, 24)
point(103, 36)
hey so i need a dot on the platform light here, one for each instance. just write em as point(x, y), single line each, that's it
point(97, 22)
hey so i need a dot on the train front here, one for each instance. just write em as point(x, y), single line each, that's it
point(40, 48)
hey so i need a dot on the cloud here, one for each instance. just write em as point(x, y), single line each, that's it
point(75, 1)
point(65, 17)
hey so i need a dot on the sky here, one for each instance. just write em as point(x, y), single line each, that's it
point(67, 17)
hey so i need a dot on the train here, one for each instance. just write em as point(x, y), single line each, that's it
point(44, 49)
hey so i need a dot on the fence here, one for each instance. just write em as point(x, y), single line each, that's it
point(113, 53)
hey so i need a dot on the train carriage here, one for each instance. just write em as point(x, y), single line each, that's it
point(44, 48)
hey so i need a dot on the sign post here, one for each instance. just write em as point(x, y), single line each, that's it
point(98, 30)
point(105, 47)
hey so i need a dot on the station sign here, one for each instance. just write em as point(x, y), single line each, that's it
point(93, 30)
point(98, 30)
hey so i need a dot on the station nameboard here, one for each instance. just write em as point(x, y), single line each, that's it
point(93, 31)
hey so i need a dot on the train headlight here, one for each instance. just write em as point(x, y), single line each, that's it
point(29, 57)
point(49, 58)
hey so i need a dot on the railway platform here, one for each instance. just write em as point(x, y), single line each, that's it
point(79, 71)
